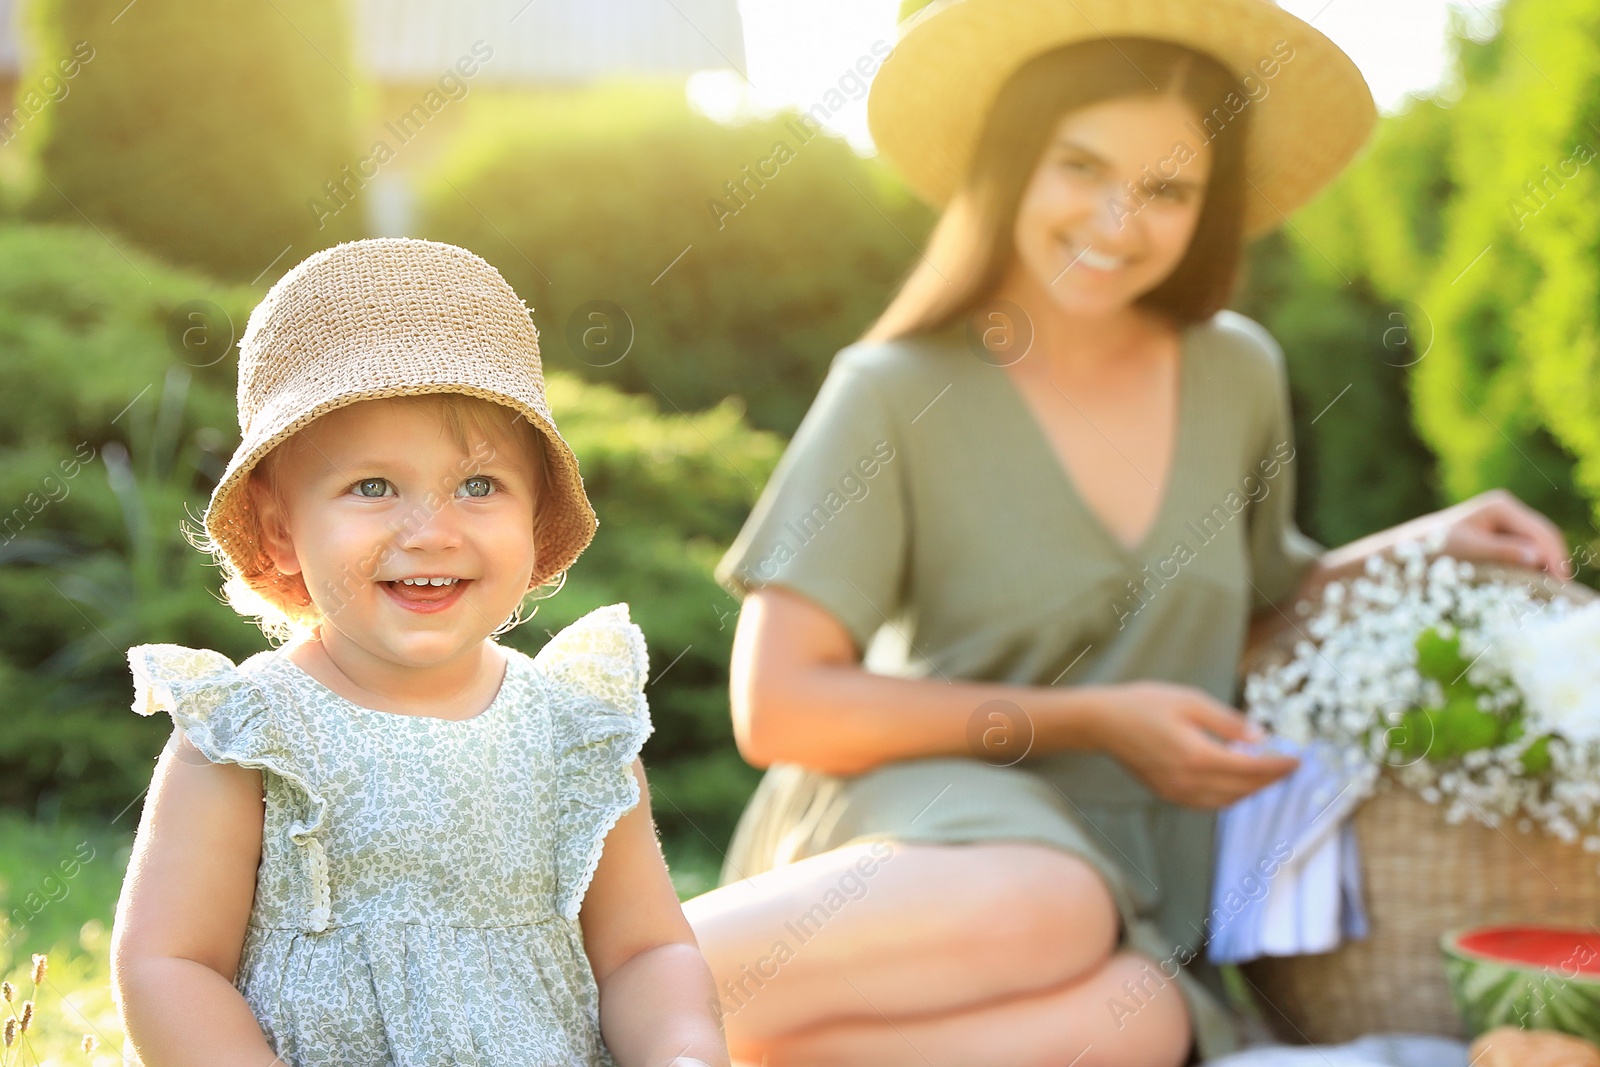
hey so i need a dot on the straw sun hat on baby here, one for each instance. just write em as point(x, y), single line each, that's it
point(930, 98)
point(387, 317)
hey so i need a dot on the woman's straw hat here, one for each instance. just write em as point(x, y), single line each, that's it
point(930, 98)
point(390, 316)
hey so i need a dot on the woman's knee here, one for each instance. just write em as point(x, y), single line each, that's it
point(1040, 909)
point(1146, 1013)
point(1011, 915)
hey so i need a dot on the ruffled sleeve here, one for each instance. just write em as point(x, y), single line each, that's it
point(597, 668)
point(231, 719)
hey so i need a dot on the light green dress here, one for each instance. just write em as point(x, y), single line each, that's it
point(420, 880)
point(921, 504)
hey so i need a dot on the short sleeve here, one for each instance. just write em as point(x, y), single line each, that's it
point(230, 719)
point(596, 671)
point(831, 523)
point(1280, 554)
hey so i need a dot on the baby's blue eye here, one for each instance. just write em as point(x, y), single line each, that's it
point(481, 485)
point(371, 487)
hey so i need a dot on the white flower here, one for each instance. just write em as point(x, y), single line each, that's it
point(1353, 681)
point(1555, 661)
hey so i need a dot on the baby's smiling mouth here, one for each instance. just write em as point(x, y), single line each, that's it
point(426, 590)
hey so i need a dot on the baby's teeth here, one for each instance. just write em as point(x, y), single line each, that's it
point(427, 581)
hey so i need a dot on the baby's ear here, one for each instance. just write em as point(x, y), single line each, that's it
point(273, 526)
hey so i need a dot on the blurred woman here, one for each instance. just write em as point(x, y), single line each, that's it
point(995, 594)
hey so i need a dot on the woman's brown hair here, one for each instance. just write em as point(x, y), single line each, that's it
point(971, 246)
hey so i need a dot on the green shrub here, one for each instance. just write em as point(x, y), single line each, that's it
point(1463, 247)
point(1489, 283)
point(1511, 394)
point(1360, 466)
point(109, 428)
point(611, 193)
point(670, 492)
point(200, 131)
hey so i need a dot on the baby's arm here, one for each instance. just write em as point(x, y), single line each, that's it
point(658, 1001)
point(180, 923)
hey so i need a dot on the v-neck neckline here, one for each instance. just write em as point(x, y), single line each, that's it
point(1047, 453)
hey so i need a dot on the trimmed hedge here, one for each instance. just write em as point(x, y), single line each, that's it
point(200, 131)
point(108, 428)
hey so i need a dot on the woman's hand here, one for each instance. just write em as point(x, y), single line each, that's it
point(1173, 738)
point(1495, 525)
point(1492, 526)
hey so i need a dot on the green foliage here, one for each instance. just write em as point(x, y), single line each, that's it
point(1382, 221)
point(1457, 726)
point(1450, 730)
point(1459, 258)
point(1337, 289)
point(1536, 757)
point(670, 492)
point(119, 407)
point(1359, 465)
point(58, 889)
point(1478, 220)
point(55, 877)
point(201, 131)
point(1460, 727)
point(620, 193)
point(1439, 656)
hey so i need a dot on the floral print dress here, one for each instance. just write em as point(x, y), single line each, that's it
point(420, 879)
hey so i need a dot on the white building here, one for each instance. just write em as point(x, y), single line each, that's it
point(549, 41)
point(534, 41)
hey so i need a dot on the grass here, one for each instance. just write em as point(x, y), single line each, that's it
point(58, 891)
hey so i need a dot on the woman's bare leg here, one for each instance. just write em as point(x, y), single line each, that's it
point(1079, 1024)
point(881, 930)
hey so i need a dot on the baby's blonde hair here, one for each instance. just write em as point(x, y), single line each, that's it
point(288, 617)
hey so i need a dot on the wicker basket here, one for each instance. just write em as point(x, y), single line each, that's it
point(1423, 878)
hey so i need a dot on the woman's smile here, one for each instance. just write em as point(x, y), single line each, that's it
point(1085, 256)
